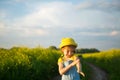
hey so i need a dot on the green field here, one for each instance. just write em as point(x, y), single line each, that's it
point(22, 63)
point(108, 61)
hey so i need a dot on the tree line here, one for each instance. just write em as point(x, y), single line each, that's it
point(80, 50)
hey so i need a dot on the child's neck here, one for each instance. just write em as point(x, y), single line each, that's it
point(67, 58)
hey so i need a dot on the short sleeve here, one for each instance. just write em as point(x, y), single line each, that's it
point(59, 60)
point(75, 57)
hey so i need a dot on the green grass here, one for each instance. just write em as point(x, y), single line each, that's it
point(86, 69)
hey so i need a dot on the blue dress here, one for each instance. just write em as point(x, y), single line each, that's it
point(71, 74)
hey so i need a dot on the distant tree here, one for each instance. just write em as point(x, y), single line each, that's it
point(14, 48)
point(2, 49)
point(53, 47)
point(94, 50)
point(86, 50)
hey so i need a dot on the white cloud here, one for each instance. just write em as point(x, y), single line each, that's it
point(34, 32)
point(84, 5)
point(103, 5)
point(2, 14)
point(59, 19)
point(62, 15)
point(114, 33)
point(110, 5)
point(46, 16)
point(2, 25)
point(54, 14)
point(94, 33)
point(2, 28)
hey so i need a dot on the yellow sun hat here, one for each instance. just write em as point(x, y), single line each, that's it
point(67, 41)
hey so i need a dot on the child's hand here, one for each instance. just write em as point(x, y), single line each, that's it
point(75, 62)
point(81, 73)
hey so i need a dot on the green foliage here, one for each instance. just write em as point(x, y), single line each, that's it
point(86, 50)
point(21, 63)
point(53, 47)
point(107, 60)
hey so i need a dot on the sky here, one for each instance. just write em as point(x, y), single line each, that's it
point(32, 23)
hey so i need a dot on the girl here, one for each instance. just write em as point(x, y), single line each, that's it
point(69, 64)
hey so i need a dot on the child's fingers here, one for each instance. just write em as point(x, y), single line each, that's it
point(75, 62)
point(82, 74)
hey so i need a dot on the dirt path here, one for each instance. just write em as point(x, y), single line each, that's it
point(97, 73)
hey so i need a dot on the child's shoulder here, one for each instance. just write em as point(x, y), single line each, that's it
point(74, 57)
point(60, 59)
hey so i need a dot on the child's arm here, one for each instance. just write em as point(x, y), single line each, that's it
point(79, 67)
point(63, 69)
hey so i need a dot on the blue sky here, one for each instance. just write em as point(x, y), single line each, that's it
point(92, 23)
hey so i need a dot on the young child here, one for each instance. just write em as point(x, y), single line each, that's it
point(69, 64)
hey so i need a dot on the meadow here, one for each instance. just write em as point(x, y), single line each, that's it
point(23, 63)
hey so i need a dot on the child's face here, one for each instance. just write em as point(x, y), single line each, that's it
point(68, 51)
